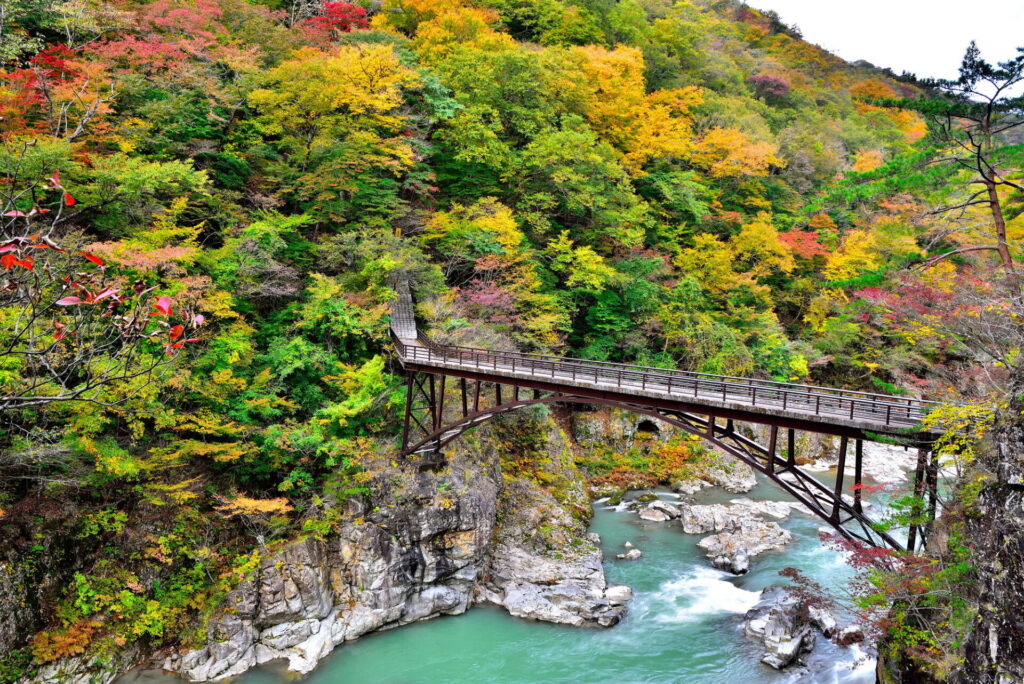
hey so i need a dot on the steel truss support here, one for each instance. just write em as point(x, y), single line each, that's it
point(843, 512)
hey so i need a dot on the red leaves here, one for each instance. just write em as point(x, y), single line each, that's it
point(15, 214)
point(60, 331)
point(176, 332)
point(69, 200)
point(10, 260)
point(94, 259)
point(54, 180)
point(804, 243)
point(163, 307)
point(337, 18)
point(89, 298)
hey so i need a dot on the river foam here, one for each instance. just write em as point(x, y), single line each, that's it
point(699, 592)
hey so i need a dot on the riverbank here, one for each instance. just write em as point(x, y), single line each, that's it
point(684, 623)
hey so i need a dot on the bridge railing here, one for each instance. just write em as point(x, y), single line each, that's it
point(884, 410)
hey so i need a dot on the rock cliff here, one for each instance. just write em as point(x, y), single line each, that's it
point(430, 547)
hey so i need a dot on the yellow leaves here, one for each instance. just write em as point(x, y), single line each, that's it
point(941, 276)
point(856, 255)
point(218, 304)
point(316, 97)
point(873, 88)
point(407, 15)
point(226, 379)
point(205, 422)
point(758, 245)
point(462, 27)
point(485, 229)
point(161, 494)
point(221, 452)
point(240, 504)
point(730, 153)
point(585, 268)
point(641, 126)
point(753, 253)
point(962, 427)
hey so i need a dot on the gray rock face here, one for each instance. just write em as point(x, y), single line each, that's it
point(731, 549)
point(15, 613)
point(701, 519)
point(730, 475)
point(774, 621)
point(571, 591)
point(402, 564)
point(412, 557)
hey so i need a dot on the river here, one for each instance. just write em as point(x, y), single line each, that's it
point(684, 624)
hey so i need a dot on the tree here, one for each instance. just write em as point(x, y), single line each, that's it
point(973, 125)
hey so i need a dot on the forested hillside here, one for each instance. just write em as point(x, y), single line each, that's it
point(205, 206)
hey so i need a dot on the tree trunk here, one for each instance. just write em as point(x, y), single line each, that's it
point(1000, 225)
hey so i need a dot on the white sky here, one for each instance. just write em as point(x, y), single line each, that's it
point(925, 37)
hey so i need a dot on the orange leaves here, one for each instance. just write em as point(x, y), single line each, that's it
point(868, 160)
point(61, 643)
point(804, 244)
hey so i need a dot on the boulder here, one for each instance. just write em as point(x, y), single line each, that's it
point(775, 622)
point(654, 515)
point(618, 595)
point(732, 549)
point(632, 554)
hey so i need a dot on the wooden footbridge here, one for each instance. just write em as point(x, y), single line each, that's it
point(452, 389)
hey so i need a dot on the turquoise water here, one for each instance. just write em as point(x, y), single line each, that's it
point(684, 624)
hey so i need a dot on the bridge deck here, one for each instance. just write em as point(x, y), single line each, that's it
point(825, 406)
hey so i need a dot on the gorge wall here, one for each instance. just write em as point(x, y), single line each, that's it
point(426, 541)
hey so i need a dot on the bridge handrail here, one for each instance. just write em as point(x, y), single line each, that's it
point(895, 413)
point(851, 403)
point(911, 401)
